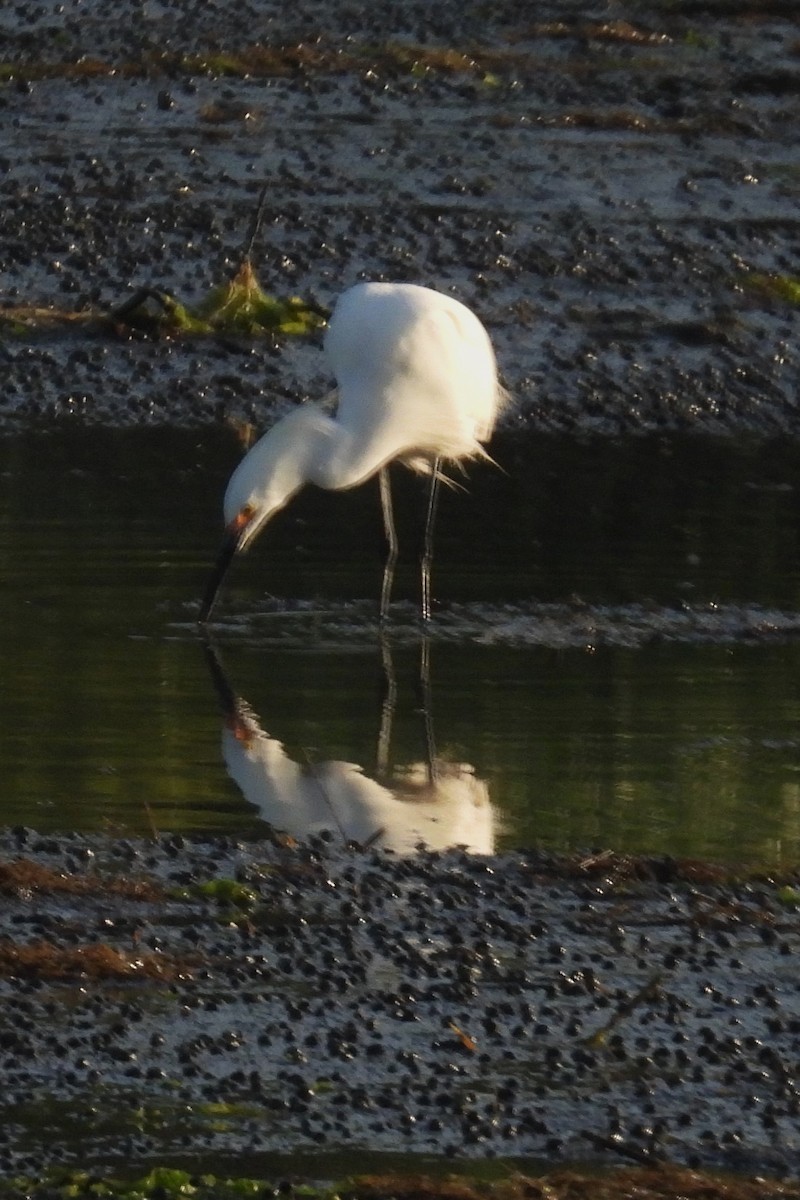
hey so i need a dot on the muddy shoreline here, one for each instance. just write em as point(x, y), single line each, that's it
point(615, 193)
point(220, 999)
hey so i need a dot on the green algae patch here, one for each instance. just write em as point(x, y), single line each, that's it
point(162, 1183)
point(321, 56)
point(157, 312)
point(259, 61)
point(242, 306)
point(239, 308)
point(779, 287)
point(658, 1182)
point(227, 893)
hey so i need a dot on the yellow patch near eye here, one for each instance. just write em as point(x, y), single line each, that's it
point(242, 519)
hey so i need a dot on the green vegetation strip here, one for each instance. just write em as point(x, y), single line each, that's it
point(660, 1182)
point(317, 57)
point(227, 893)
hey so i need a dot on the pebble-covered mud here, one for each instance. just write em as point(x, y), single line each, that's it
point(171, 998)
point(607, 186)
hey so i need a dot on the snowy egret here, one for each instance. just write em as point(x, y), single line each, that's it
point(416, 382)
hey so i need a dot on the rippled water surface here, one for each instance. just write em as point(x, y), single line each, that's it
point(614, 662)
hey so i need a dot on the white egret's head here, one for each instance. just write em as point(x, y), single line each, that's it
point(265, 480)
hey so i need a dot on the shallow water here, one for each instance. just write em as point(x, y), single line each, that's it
point(613, 662)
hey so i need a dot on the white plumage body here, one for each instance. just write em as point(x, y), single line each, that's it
point(416, 375)
point(416, 382)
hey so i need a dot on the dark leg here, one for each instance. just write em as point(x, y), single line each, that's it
point(427, 710)
point(391, 541)
point(388, 703)
point(427, 544)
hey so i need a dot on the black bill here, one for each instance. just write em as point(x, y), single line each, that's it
point(227, 551)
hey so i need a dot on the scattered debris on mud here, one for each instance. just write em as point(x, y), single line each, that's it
point(214, 998)
point(616, 197)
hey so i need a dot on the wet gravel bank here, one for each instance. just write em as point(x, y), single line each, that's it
point(604, 187)
point(599, 1009)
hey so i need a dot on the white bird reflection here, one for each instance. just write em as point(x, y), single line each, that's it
point(432, 803)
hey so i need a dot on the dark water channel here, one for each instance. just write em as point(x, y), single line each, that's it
point(614, 662)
